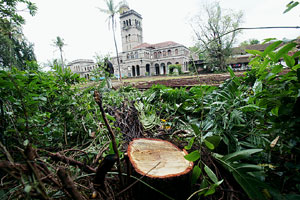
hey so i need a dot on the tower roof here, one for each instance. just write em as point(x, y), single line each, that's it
point(130, 12)
point(124, 7)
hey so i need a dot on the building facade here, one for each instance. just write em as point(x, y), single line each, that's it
point(143, 59)
point(83, 67)
point(138, 58)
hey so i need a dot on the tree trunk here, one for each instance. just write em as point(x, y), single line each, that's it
point(163, 166)
point(113, 29)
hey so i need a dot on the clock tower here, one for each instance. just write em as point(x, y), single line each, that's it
point(131, 28)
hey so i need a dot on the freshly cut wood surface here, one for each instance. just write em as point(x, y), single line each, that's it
point(158, 158)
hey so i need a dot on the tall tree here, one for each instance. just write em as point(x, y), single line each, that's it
point(14, 47)
point(212, 29)
point(59, 43)
point(112, 10)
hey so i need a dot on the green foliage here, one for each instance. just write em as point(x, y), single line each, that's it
point(15, 50)
point(291, 5)
point(45, 108)
point(240, 119)
point(175, 66)
point(216, 36)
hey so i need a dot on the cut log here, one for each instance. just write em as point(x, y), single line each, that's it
point(162, 165)
point(157, 158)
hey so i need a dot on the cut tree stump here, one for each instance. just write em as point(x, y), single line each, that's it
point(162, 165)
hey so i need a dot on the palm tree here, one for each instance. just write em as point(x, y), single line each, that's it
point(59, 43)
point(111, 11)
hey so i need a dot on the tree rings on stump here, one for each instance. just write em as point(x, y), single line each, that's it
point(163, 165)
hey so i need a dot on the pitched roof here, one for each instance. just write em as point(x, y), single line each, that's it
point(157, 45)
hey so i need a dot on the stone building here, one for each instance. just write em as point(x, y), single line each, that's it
point(138, 58)
point(143, 59)
point(83, 67)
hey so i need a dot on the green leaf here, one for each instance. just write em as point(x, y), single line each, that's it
point(232, 75)
point(193, 156)
point(250, 185)
point(257, 87)
point(245, 167)
point(210, 191)
point(274, 111)
point(268, 40)
point(209, 145)
point(290, 62)
point(284, 51)
point(211, 174)
point(254, 52)
point(296, 55)
point(276, 69)
point(271, 48)
point(290, 6)
point(27, 188)
point(189, 146)
point(109, 117)
point(296, 67)
point(249, 108)
point(240, 155)
point(215, 140)
point(195, 174)
point(196, 129)
point(212, 188)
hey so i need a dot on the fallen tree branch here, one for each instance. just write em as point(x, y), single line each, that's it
point(68, 184)
point(13, 166)
point(71, 161)
point(105, 165)
point(111, 134)
point(31, 154)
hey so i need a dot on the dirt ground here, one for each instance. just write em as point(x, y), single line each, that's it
point(202, 79)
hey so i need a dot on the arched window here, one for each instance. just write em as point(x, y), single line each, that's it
point(176, 51)
point(155, 54)
point(164, 54)
point(129, 38)
point(126, 22)
point(129, 22)
point(138, 70)
point(169, 52)
point(159, 54)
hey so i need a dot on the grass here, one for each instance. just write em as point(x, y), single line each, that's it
point(153, 78)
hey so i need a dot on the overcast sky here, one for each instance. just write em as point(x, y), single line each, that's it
point(85, 29)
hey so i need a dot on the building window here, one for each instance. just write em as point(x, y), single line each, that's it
point(176, 51)
point(155, 54)
point(129, 22)
point(164, 53)
point(169, 52)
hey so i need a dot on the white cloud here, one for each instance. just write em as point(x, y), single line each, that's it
point(85, 30)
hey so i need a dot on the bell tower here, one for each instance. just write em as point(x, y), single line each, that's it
point(131, 28)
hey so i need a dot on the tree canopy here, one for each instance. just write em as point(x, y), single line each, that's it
point(215, 36)
point(15, 49)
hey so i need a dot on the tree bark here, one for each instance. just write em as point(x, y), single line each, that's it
point(69, 185)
